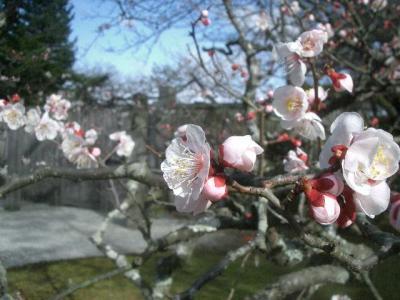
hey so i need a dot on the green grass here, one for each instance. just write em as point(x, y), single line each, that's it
point(41, 281)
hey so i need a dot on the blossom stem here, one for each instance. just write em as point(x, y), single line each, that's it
point(315, 81)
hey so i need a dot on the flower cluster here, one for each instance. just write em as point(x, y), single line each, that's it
point(361, 160)
point(77, 145)
point(297, 108)
point(196, 179)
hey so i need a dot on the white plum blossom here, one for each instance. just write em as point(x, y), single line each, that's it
point(376, 202)
point(262, 21)
point(377, 5)
point(342, 130)
point(290, 102)
point(309, 126)
point(84, 158)
point(57, 106)
point(327, 27)
point(295, 67)
point(368, 157)
point(13, 115)
point(77, 146)
point(312, 42)
point(309, 44)
point(125, 143)
point(91, 137)
point(47, 129)
point(32, 119)
point(185, 169)
point(295, 7)
point(372, 157)
point(293, 163)
point(322, 94)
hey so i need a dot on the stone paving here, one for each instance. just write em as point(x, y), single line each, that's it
point(38, 233)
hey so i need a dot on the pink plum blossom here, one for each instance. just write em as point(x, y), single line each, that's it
point(290, 102)
point(240, 152)
point(186, 167)
point(324, 207)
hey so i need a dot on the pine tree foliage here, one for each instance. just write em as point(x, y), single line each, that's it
point(36, 54)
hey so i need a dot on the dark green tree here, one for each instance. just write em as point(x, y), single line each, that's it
point(36, 54)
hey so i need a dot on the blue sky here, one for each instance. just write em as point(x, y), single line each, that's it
point(93, 54)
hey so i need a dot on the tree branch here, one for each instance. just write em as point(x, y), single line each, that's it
point(132, 171)
point(297, 281)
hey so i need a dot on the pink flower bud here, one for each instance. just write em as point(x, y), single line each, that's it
point(239, 152)
point(340, 81)
point(283, 137)
point(235, 67)
point(206, 21)
point(296, 142)
point(96, 152)
point(329, 210)
point(329, 183)
point(394, 215)
point(251, 115)
point(15, 98)
point(215, 188)
point(374, 122)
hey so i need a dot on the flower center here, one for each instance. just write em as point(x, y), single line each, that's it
point(293, 104)
point(379, 164)
point(12, 115)
point(308, 44)
point(186, 166)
